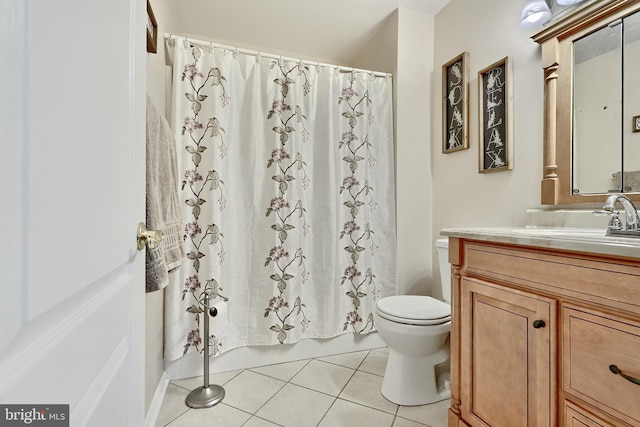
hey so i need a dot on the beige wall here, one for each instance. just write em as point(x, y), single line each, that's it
point(381, 52)
point(404, 47)
point(413, 154)
point(156, 84)
point(489, 31)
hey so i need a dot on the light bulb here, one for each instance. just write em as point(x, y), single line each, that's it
point(534, 14)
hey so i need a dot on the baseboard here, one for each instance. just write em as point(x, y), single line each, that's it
point(156, 403)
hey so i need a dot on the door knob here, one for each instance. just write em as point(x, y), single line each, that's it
point(539, 324)
point(151, 238)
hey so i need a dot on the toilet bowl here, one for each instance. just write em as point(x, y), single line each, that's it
point(416, 330)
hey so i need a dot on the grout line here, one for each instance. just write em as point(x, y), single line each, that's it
point(327, 411)
point(178, 385)
point(363, 359)
point(270, 376)
point(284, 383)
point(260, 418)
point(367, 406)
point(352, 375)
point(169, 423)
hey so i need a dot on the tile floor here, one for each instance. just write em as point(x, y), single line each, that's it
point(334, 391)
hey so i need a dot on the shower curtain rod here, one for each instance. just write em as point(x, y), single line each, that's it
point(205, 43)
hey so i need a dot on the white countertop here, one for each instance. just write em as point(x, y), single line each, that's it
point(589, 240)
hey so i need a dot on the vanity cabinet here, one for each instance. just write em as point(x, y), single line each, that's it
point(535, 333)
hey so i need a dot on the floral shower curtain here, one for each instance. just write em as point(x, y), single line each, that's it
point(288, 191)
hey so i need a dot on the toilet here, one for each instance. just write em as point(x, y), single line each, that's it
point(416, 330)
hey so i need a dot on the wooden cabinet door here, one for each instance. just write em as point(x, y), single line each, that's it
point(507, 348)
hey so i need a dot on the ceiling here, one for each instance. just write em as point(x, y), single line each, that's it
point(327, 30)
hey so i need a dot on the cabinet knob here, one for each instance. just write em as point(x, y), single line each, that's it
point(539, 324)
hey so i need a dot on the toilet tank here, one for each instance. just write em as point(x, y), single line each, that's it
point(442, 247)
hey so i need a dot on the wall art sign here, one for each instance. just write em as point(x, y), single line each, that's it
point(494, 83)
point(455, 104)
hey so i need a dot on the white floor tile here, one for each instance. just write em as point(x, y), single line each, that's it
point(173, 405)
point(348, 360)
point(375, 362)
point(324, 377)
point(364, 388)
point(306, 400)
point(348, 414)
point(195, 382)
point(259, 422)
point(282, 371)
point(219, 415)
point(434, 415)
point(249, 391)
point(403, 422)
point(296, 406)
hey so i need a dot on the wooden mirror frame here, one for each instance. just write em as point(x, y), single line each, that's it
point(557, 61)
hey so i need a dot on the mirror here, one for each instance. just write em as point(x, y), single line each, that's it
point(592, 101)
point(597, 110)
point(606, 96)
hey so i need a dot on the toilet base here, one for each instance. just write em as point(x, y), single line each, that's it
point(411, 380)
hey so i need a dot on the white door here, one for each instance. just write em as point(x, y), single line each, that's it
point(72, 169)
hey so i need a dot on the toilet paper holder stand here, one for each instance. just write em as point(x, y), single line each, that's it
point(207, 395)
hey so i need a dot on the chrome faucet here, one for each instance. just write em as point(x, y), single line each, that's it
point(632, 224)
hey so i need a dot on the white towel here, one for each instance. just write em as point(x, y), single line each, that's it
point(163, 204)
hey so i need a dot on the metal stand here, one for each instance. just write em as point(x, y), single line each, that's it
point(206, 396)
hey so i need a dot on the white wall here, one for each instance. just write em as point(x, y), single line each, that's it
point(489, 30)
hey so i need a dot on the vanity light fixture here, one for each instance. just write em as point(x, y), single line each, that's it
point(534, 14)
point(538, 12)
point(568, 2)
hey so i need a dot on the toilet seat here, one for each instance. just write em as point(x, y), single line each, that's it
point(414, 310)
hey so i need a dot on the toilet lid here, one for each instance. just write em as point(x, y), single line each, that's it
point(414, 310)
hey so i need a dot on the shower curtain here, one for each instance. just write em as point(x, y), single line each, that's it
point(288, 198)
